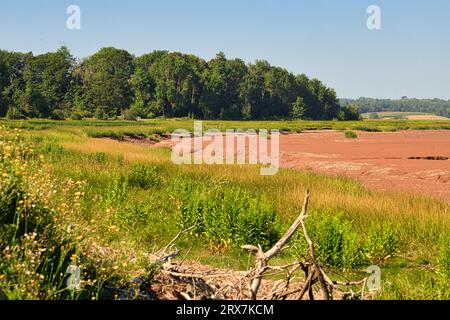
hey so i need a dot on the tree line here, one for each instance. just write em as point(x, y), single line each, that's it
point(369, 105)
point(113, 83)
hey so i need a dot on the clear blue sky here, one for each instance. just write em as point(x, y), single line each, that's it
point(324, 39)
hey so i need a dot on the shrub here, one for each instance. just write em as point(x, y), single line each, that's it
point(350, 135)
point(381, 242)
point(130, 114)
point(76, 116)
point(336, 242)
point(58, 114)
point(80, 114)
point(225, 216)
point(131, 216)
point(100, 113)
point(258, 225)
point(117, 192)
point(144, 176)
point(15, 114)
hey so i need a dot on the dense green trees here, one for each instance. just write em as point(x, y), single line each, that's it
point(222, 81)
point(34, 86)
point(104, 82)
point(143, 85)
point(12, 84)
point(112, 82)
point(4, 81)
point(268, 92)
point(178, 86)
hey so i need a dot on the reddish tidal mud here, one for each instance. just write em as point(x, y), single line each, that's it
point(417, 161)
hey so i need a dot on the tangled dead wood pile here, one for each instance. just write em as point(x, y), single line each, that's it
point(300, 280)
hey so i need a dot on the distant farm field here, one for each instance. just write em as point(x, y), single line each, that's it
point(134, 200)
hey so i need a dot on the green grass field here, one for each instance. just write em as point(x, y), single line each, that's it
point(131, 200)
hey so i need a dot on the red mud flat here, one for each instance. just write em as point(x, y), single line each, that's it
point(417, 161)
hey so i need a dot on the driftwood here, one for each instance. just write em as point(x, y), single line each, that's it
point(194, 282)
point(263, 258)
